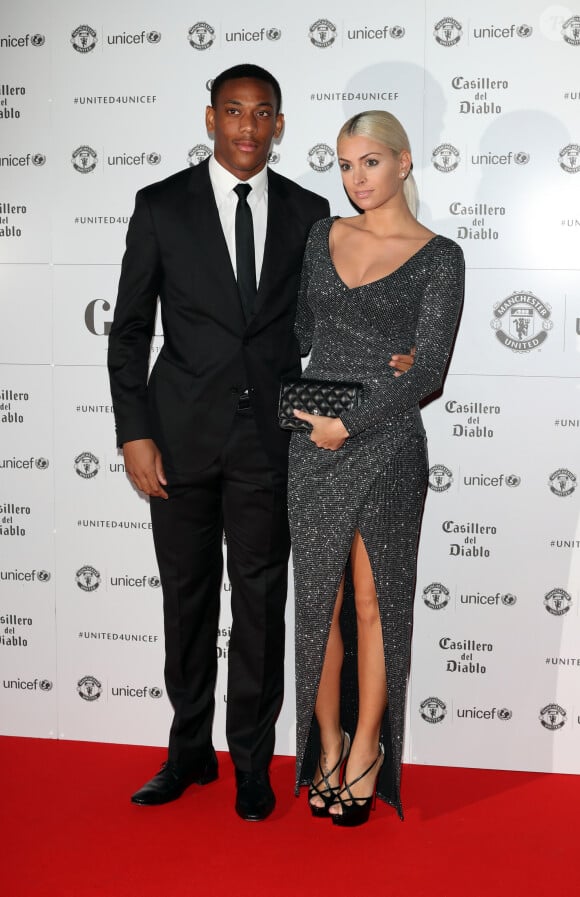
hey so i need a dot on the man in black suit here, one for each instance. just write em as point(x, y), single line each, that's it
point(201, 437)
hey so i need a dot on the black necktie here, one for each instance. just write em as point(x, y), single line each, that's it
point(245, 253)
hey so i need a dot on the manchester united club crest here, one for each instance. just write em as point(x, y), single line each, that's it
point(87, 578)
point(89, 688)
point(571, 31)
point(84, 39)
point(201, 36)
point(321, 157)
point(569, 158)
point(445, 157)
point(87, 465)
point(448, 32)
point(436, 596)
point(197, 154)
point(557, 602)
point(84, 159)
point(552, 717)
point(322, 33)
point(433, 710)
point(562, 482)
point(440, 478)
point(521, 321)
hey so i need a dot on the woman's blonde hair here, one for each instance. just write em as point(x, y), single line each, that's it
point(383, 127)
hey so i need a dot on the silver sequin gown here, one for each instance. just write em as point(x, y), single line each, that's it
point(376, 482)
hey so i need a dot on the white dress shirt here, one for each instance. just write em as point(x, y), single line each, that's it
point(223, 183)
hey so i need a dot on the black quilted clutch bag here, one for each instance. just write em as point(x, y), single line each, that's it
point(328, 398)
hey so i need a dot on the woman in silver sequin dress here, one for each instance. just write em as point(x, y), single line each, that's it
point(373, 285)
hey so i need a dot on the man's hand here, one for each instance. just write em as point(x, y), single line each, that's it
point(327, 432)
point(144, 466)
point(402, 363)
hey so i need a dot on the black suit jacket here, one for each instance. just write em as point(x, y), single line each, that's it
point(176, 250)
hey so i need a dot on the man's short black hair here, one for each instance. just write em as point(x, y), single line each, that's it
point(246, 70)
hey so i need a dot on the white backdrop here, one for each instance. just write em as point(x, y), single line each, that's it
point(95, 104)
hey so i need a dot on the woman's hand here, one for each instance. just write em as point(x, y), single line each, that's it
point(327, 432)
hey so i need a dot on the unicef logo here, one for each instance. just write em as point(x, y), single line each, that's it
point(155, 692)
point(37, 40)
point(322, 34)
point(440, 478)
point(397, 32)
point(571, 31)
point(321, 157)
point(436, 596)
point(445, 157)
point(273, 34)
point(87, 465)
point(201, 36)
point(84, 39)
point(562, 482)
point(557, 602)
point(153, 37)
point(521, 158)
point(552, 717)
point(41, 463)
point(89, 688)
point(524, 31)
point(273, 158)
point(153, 158)
point(522, 321)
point(87, 578)
point(38, 159)
point(512, 480)
point(504, 714)
point(45, 685)
point(508, 600)
point(154, 582)
point(433, 710)
point(569, 158)
point(197, 154)
point(43, 576)
point(448, 32)
point(84, 159)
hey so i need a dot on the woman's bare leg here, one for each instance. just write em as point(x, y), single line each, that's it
point(372, 678)
point(327, 707)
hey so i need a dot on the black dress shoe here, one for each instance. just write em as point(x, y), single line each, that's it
point(171, 781)
point(255, 799)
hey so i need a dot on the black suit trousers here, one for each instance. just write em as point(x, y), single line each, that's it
point(239, 494)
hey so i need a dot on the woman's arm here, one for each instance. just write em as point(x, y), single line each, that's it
point(304, 324)
point(436, 326)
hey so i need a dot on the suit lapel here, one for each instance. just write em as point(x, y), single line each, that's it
point(274, 247)
point(206, 230)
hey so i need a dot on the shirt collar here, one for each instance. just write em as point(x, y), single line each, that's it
point(223, 181)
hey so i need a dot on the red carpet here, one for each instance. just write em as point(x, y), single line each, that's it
point(69, 830)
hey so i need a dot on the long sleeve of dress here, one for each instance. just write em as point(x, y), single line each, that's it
point(436, 325)
point(304, 324)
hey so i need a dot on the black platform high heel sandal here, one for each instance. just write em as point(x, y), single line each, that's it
point(356, 810)
point(329, 793)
